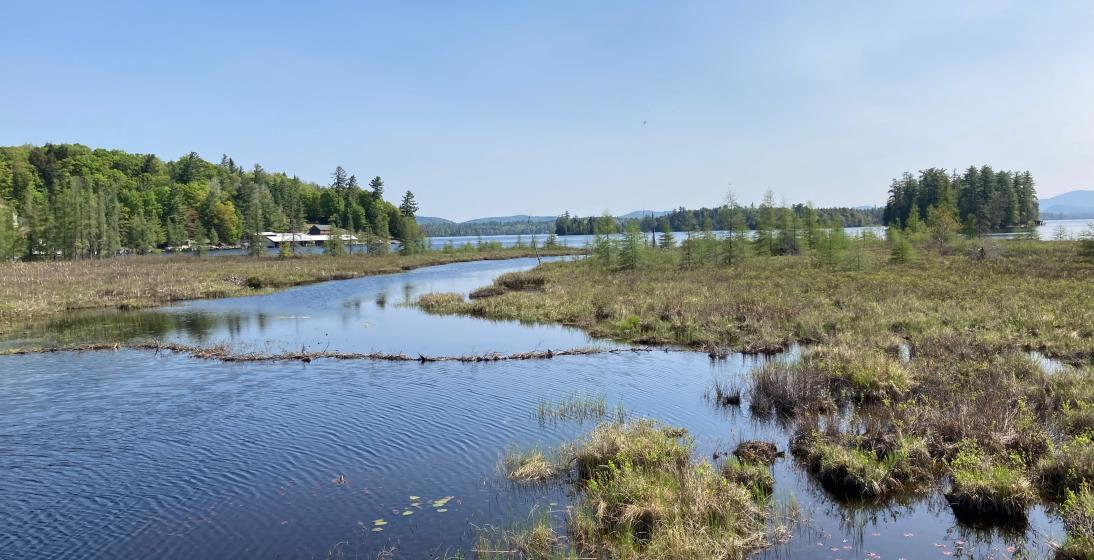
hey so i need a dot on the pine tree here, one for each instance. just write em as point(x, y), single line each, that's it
point(377, 186)
point(632, 248)
point(408, 207)
point(764, 242)
point(668, 240)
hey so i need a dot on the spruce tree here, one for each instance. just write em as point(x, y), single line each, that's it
point(408, 207)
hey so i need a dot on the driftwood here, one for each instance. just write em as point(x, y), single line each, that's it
point(225, 354)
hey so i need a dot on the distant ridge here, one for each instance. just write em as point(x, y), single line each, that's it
point(1073, 204)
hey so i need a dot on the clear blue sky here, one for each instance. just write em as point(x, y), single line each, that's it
point(538, 107)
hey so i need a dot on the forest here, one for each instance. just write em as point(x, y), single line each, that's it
point(72, 201)
point(982, 199)
point(717, 219)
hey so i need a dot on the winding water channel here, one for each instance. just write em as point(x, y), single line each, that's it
point(137, 454)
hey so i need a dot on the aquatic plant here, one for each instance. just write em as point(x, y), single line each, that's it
point(577, 407)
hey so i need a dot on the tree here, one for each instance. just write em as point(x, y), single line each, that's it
point(632, 248)
point(408, 207)
point(1086, 243)
point(764, 242)
point(668, 240)
point(339, 180)
point(788, 233)
point(335, 246)
point(735, 244)
point(377, 186)
point(901, 251)
point(379, 236)
point(832, 242)
point(413, 242)
point(603, 252)
point(942, 226)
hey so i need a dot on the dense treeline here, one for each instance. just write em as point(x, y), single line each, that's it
point(716, 219)
point(449, 229)
point(982, 199)
point(72, 201)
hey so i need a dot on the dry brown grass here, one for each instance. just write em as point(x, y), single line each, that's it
point(35, 291)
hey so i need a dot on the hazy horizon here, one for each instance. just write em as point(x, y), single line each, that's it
point(487, 110)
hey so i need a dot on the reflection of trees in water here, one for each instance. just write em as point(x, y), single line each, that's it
point(122, 326)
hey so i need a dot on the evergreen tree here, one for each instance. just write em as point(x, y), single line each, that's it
point(377, 186)
point(632, 248)
point(735, 245)
point(765, 242)
point(603, 252)
point(1086, 243)
point(408, 207)
point(335, 246)
point(901, 251)
point(832, 243)
point(788, 233)
point(668, 240)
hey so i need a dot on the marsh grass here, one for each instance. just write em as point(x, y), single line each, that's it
point(988, 487)
point(534, 465)
point(1077, 512)
point(1069, 468)
point(1036, 295)
point(37, 290)
point(640, 495)
point(578, 407)
point(871, 466)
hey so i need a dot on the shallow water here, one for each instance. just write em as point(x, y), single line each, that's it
point(135, 454)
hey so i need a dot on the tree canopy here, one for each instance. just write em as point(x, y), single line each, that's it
point(77, 202)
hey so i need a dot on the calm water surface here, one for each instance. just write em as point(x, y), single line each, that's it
point(135, 454)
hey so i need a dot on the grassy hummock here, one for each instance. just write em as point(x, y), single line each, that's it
point(640, 494)
point(870, 466)
point(988, 487)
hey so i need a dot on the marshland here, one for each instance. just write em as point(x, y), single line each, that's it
point(547, 281)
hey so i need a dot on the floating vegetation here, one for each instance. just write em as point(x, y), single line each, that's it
point(578, 407)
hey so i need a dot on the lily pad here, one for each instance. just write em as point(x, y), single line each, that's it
point(408, 512)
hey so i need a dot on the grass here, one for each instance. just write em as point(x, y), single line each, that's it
point(1078, 514)
point(1069, 469)
point(531, 466)
point(640, 495)
point(985, 486)
point(871, 466)
point(1037, 295)
point(577, 407)
point(933, 353)
point(40, 290)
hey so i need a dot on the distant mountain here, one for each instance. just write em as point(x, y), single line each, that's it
point(1073, 204)
point(429, 220)
point(639, 214)
point(511, 219)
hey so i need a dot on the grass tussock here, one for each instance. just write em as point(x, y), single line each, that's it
point(1077, 512)
point(533, 465)
point(865, 466)
point(1069, 468)
point(540, 541)
point(984, 486)
point(640, 495)
point(34, 291)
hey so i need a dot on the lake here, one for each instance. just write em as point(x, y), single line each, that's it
point(138, 454)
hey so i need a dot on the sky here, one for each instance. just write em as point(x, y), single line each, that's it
point(497, 108)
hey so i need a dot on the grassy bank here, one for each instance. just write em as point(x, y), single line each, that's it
point(37, 291)
point(1036, 295)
